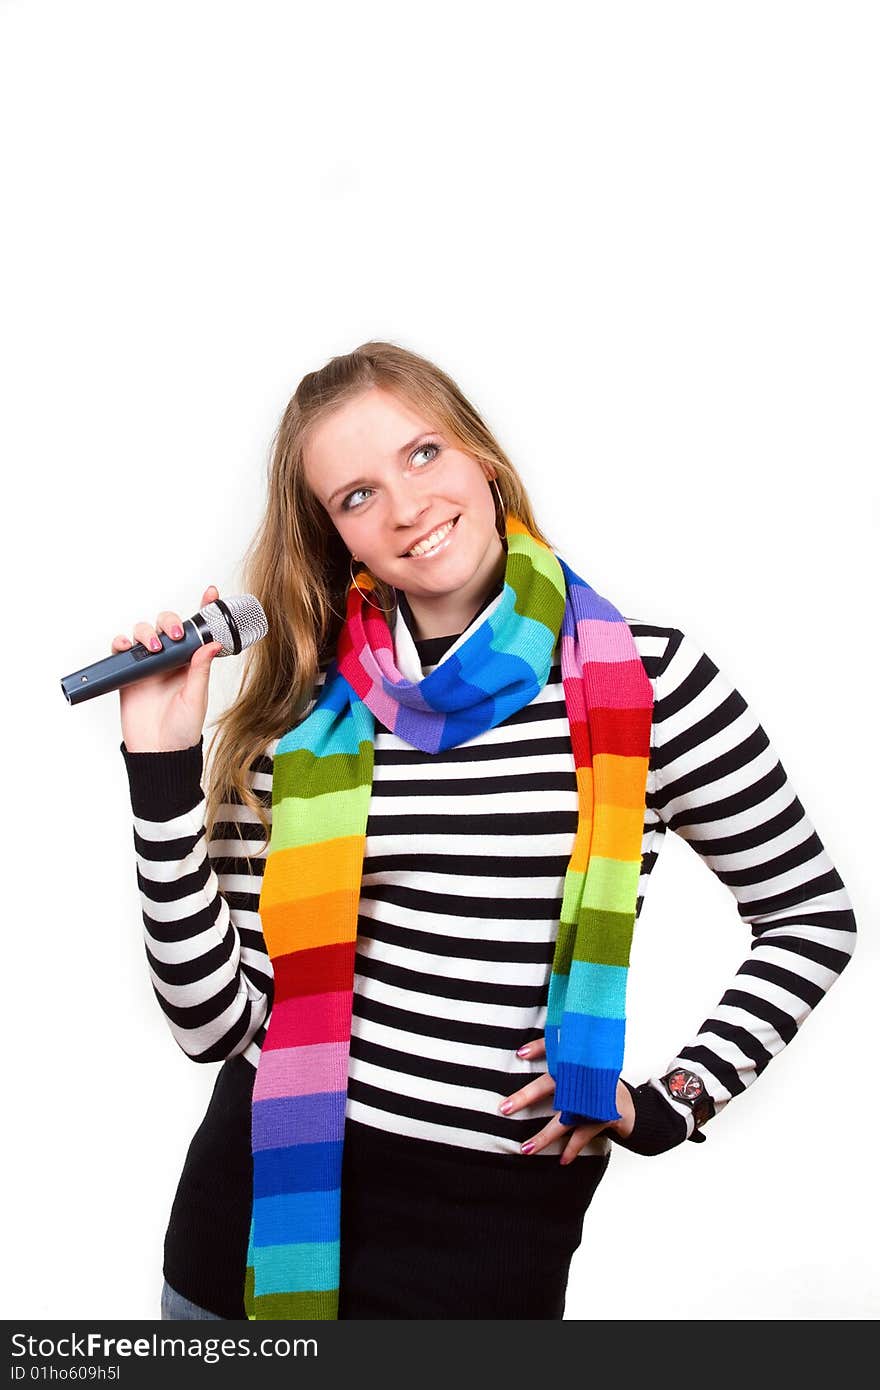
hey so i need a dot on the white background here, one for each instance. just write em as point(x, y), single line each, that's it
point(643, 239)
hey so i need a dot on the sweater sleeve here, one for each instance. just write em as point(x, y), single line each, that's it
point(719, 785)
point(205, 950)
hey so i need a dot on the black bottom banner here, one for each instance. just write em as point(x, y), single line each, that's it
point(129, 1355)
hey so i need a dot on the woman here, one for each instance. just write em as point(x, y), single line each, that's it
point(467, 760)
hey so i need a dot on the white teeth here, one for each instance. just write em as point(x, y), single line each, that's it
point(430, 541)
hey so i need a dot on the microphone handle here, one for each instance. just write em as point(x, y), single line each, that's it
point(121, 668)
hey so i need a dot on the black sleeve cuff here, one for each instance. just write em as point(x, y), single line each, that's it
point(164, 785)
point(657, 1127)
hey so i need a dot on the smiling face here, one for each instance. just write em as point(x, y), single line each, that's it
point(387, 480)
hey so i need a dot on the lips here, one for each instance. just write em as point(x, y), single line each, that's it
point(439, 527)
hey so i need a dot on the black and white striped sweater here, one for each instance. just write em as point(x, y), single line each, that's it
point(464, 863)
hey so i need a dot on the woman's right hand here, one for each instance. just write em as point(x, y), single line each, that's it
point(166, 712)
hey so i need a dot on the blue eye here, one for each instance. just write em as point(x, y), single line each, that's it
point(345, 505)
point(422, 449)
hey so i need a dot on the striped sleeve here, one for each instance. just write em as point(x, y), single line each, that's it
point(720, 785)
point(206, 953)
point(205, 950)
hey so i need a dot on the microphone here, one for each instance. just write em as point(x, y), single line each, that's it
point(235, 623)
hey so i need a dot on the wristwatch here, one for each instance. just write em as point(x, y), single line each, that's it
point(687, 1088)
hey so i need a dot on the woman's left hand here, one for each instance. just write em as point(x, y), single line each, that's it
point(580, 1134)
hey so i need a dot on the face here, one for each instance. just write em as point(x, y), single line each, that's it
point(387, 479)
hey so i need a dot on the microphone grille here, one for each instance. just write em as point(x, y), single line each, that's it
point(235, 622)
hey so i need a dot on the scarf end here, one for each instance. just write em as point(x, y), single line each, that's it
point(320, 1305)
point(585, 1095)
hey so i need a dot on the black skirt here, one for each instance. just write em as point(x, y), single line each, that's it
point(436, 1231)
point(427, 1230)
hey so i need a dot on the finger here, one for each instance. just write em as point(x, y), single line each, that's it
point(198, 677)
point(536, 1048)
point(170, 622)
point(210, 594)
point(120, 643)
point(578, 1139)
point(580, 1136)
point(526, 1095)
point(146, 634)
point(545, 1136)
point(205, 655)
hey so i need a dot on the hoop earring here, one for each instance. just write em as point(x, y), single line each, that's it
point(366, 597)
point(503, 531)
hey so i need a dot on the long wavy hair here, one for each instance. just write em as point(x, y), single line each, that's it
point(299, 568)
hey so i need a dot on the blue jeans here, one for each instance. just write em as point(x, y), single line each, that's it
point(176, 1308)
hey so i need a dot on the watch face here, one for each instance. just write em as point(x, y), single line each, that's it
point(684, 1085)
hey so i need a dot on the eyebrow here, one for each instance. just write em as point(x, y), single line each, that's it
point(404, 449)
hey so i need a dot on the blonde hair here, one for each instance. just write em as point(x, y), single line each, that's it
point(298, 566)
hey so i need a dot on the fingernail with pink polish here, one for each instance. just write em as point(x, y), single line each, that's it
point(527, 1148)
point(523, 1051)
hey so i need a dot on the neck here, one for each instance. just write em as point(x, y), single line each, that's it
point(447, 615)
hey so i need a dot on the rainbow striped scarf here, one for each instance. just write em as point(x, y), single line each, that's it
point(321, 789)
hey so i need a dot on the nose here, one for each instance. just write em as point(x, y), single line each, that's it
point(406, 507)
